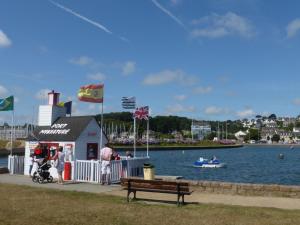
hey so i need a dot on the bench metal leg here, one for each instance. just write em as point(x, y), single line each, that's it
point(134, 195)
point(128, 193)
point(182, 199)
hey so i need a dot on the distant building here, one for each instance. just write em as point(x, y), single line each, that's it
point(199, 131)
point(240, 135)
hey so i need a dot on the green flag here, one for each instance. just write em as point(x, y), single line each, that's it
point(7, 104)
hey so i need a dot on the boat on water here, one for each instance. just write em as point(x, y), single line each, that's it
point(205, 163)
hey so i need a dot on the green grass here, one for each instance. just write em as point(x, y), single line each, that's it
point(20, 205)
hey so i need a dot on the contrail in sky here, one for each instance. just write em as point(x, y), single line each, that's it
point(169, 13)
point(81, 17)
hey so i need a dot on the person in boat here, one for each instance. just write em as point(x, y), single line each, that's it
point(214, 158)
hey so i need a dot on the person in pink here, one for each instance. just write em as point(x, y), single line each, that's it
point(105, 156)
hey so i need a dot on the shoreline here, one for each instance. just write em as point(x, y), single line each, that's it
point(162, 148)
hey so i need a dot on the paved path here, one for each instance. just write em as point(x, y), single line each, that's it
point(196, 197)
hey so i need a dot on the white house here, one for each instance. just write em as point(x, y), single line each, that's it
point(80, 136)
point(240, 135)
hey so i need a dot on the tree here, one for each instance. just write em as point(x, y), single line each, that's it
point(273, 117)
point(275, 138)
point(253, 135)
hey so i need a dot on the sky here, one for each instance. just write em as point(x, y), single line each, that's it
point(206, 59)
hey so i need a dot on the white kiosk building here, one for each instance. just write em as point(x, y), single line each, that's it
point(78, 135)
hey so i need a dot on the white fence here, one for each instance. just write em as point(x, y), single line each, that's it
point(16, 164)
point(90, 170)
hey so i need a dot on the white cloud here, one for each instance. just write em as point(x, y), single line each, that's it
point(213, 110)
point(180, 97)
point(16, 99)
point(82, 61)
point(169, 76)
point(216, 26)
point(4, 40)
point(178, 108)
point(96, 24)
point(175, 2)
point(3, 91)
point(128, 68)
point(42, 94)
point(203, 90)
point(97, 76)
point(167, 12)
point(292, 28)
point(296, 101)
point(246, 113)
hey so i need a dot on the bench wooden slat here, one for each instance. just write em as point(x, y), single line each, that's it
point(159, 191)
point(156, 186)
point(154, 181)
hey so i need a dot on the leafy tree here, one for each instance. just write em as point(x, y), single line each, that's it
point(276, 138)
point(273, 116)
point(253, 135)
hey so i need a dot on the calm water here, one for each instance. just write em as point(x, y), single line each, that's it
point(246, 165)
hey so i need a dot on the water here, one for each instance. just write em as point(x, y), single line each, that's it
point(244, 165)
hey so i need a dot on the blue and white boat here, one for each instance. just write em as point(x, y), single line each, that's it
point(205, 163)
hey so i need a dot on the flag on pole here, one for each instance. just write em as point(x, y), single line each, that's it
point(128, 102)
point(7, 104)
point(141, 113)
point(91, 93)
point(67, 105)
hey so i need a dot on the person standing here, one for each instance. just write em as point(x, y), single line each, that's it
point(60, 163)
point(30, 163)
point(105, 156)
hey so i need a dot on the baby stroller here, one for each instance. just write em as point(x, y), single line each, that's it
point(42, 174)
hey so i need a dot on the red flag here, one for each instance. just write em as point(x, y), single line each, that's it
point(141, 113)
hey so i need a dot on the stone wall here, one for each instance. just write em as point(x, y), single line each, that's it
point(246, 189)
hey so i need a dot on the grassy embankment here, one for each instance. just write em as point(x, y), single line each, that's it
point(22, 205)
point(161, 146)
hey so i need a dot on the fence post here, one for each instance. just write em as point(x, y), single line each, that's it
point(92, 170)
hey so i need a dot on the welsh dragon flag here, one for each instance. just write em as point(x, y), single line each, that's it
point(7, 104)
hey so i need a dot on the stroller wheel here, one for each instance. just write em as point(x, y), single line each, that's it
point(40, 180)
point(50, 179)
point(34, 178)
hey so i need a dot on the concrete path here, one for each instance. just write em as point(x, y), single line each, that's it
point(196, 197)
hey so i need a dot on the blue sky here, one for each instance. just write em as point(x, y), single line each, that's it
point(213, 60)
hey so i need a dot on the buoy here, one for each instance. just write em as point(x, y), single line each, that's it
point(182, 151)
point(280, 156)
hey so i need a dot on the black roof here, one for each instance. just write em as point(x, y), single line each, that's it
point(63, 129)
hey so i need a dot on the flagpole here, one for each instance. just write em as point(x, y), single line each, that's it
point(148, 137)
point(11, 132)
point(134, 141)
point(101, 135)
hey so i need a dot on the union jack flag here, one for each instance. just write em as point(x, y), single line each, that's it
point(141, 113)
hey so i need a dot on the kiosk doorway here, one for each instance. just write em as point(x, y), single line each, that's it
point(92, 151)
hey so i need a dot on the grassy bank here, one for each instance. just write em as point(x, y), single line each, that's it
point(27, 205)
point(174, 147)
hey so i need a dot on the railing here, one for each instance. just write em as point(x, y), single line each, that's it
point(90, 170)
point(16, 164)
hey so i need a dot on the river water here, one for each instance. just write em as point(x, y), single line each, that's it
point(244, 165)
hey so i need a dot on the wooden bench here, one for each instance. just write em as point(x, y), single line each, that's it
point(132, 185)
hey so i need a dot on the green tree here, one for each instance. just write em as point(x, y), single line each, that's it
point(276, 138)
